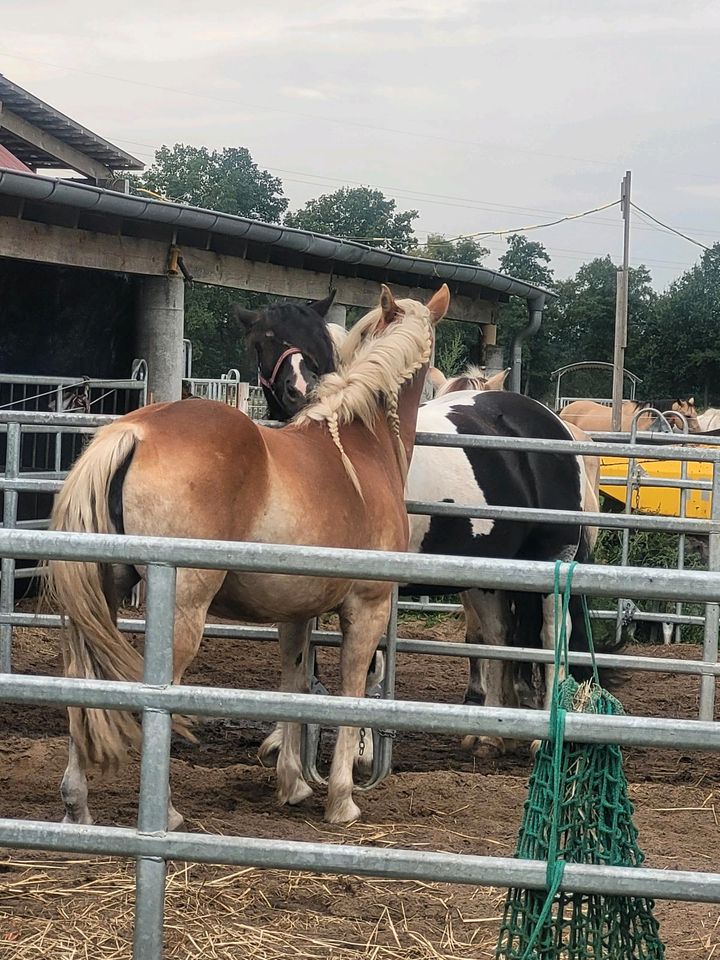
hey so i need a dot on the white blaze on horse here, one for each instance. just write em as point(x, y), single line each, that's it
point(201, 469)
point(596, 417)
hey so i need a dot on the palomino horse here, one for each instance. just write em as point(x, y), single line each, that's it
point(479, 476)
point(470, 379)
point(201, 469)
point(593, 416)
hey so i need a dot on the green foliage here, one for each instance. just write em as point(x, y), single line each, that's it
point(451, 350)
point(357, 213)
point(649, 548)
point(226, 180)
point(678, 352)
point(464, 250)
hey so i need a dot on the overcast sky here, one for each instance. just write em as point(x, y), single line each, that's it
point(481, 114)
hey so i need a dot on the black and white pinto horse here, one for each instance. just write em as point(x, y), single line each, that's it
point(466, 477)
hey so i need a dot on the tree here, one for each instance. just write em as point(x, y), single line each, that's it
point(357, 213)
point(526, 260)
point(678, 353)
point(581, 325)
point(227, 180)
point(464, 250)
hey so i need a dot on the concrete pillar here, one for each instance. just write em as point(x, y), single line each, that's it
point(160, 327)
point(338, 314)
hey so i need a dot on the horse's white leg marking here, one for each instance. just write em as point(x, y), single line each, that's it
point(301, 383)
point(667, 629)
point(74, 789)
point(362, 621)
point(294, 641)
point(489, 621)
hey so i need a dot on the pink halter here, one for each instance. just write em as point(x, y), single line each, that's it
point(270, 384)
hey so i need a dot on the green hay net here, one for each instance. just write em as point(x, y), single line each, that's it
point(577, 811)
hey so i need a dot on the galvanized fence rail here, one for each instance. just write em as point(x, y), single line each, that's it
point(152, 845)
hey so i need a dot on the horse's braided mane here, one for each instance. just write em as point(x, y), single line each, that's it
point(371, 371)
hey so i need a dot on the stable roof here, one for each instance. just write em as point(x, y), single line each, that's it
point(220, 248)
point(43, 138)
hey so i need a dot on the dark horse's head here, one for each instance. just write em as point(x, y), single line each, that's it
point(293, 348)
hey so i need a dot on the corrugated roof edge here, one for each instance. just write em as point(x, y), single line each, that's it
point(120, 159)
point(81, 196)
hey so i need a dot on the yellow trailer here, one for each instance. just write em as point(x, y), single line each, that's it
point(664, 501)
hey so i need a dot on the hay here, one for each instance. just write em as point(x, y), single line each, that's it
point(77, 909)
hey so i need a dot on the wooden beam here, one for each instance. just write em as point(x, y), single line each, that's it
point(44, 243)
point(66, 155)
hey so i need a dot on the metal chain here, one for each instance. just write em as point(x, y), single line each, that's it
point(361, 745)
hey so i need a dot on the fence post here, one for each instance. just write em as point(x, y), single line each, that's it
point(7, 570)
point(712, 610)
point(154, 763)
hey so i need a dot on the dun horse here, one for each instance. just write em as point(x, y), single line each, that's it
point(196, 468)
point(592, 416)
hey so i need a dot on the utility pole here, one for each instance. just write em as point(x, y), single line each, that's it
point(621, 309)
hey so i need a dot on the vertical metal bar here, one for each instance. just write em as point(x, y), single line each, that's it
point(681, 544)
point(712, 610)
point(58, 435)
point(631, 467)
point(383, 739)
point(7, 569)
point(154, 763)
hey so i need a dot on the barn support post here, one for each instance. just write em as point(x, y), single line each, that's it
point(338, 314)
point(160, 327)
point(535, 308)
point(712, 610)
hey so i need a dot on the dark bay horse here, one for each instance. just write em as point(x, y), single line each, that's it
point(201, 469)
point(499, 477)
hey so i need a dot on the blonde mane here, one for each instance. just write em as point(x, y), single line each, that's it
point(371, 371)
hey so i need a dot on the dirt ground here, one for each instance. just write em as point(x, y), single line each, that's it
point(439, 798)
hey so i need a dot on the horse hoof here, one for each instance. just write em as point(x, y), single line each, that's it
point(343, 811)
point(484, 748)
point(176, 821)
point(298, 792)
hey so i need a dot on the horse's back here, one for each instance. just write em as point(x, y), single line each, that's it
point(502, 477)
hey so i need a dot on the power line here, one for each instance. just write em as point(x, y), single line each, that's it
point(670, 229)
point(534, 226)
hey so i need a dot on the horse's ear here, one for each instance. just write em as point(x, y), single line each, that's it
point(321, 307)
point(388, 304)
point(437, 378)
point(439, 303)
point(497, 380)
point(691, 401)
point(248, 318)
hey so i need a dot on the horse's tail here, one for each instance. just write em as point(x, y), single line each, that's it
point(93, 647)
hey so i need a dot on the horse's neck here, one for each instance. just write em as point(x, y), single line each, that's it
point(408, 405)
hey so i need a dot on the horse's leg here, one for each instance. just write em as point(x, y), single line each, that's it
point(488, 621)
point(363, 618)
point(194, 592)
point(548, 641)
point(270, 746)
point(74, 788)
point(294, 641)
